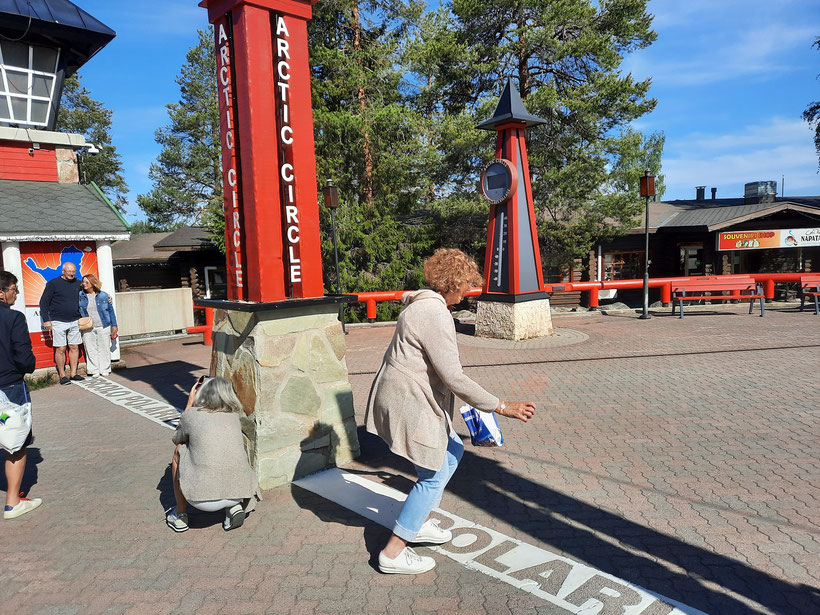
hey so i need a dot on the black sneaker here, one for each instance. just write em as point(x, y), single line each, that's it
point(65, 380)
point(77, 378)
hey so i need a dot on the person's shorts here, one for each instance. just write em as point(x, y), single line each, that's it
point(18, 394)
point(63, 333)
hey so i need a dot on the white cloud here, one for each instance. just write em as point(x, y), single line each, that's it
point(704, 41)
point(757, 152)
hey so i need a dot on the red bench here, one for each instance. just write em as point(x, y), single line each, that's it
point(713, 289)
point(810, 287)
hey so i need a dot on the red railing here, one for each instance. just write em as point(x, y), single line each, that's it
point(665, 284)
point(207, 329)
point(370, 299)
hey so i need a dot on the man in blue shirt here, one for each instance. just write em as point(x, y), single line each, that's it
point(60, 311)
point(16, 359)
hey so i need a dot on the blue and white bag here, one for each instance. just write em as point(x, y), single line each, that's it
point(15, 424)
point(483, 426)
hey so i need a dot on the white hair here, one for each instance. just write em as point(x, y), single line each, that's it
point(217, 395)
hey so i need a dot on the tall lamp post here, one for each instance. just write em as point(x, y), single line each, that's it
point(331, 196)
point(647, 191)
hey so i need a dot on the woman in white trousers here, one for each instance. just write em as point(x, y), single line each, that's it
point(96, 303)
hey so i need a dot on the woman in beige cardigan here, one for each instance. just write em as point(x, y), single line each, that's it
point(412, 402)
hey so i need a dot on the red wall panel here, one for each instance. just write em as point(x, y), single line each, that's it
point(17, 163)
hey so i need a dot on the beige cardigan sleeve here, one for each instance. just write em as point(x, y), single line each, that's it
point(439, 341)
point(181, 434)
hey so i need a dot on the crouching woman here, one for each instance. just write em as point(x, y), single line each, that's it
point(210, 467)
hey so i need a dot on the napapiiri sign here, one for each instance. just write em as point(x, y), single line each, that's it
point(277, 337)
point(268, 165)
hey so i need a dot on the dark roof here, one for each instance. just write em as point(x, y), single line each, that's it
point(715, 214)
point(29, 207)
point(510, 109)
point(186, 238)
point(139, 249)
point(55, 23)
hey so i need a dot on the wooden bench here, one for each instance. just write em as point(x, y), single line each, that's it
point(810, 287)
point(712, 288)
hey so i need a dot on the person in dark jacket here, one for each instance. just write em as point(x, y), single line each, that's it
point(60, 311)
point(16, 359)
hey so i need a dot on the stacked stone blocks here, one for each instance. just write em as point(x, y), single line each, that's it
point(288, 368)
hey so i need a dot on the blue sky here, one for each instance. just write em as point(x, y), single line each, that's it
point(731, 78)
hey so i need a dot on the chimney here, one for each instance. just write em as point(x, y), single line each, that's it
point(714, 193)
point(700, 193)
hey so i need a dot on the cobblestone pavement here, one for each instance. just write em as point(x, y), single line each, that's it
point(681, 456)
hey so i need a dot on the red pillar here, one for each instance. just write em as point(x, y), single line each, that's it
point(269, 168)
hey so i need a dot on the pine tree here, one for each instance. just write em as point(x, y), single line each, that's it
point(187, 176)
point(367, 142)
point(565, 58)
point(81, 114)
point(812, 114)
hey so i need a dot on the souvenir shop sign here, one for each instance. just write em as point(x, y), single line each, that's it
point(776, 238)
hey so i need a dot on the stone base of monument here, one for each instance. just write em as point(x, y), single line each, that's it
point(513, 321)
point(287, 364)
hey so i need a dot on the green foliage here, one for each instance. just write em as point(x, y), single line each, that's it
point(812, 114)
point(565, 58)
point(397, 92)
point(187, 177)
point(81, 114)
point(35, 382)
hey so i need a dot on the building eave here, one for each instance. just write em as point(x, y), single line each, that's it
point(65, 237)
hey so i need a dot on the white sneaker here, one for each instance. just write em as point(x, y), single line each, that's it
point(234, 517)
point(25, 505)
point(177, 521)
point(406, 562)
point(431, 533)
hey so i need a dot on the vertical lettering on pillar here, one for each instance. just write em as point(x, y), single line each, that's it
point(287, 173)
point(229, 139)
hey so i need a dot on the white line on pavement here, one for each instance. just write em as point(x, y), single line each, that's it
point(567, 584)
point(154, 410)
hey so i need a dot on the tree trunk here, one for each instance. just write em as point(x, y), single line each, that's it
point(367, 179)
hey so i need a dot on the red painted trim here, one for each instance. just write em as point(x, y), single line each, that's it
point(514, 285)
point(294, 8)
point(303, 157)
point(488, 253)
point(256, 111)
point(525, 169)
point(231, 176)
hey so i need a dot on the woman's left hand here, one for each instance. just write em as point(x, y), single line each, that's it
point(521, 410)
point(114, 333)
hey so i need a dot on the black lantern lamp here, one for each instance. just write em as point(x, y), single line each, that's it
point(331, 196)
point(647, 192)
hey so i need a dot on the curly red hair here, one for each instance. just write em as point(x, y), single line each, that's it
point(448, 269)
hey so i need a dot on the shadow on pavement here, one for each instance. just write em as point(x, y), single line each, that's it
point(172, 380)
point(566, 525)
point(33, 459)
point(197, 519)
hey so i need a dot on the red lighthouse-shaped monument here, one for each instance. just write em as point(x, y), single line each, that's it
point(513, 304)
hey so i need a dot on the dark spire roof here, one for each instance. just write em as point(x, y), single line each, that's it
point(510, 109)
point(55, 23)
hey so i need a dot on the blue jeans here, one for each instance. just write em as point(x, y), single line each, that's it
point(427, 492)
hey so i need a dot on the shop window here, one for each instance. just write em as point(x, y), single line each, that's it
point(623, 265)
point(27, 77)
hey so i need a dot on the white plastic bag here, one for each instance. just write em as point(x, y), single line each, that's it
point(15, 424)
point(483, 427)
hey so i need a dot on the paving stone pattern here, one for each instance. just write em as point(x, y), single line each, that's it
point(681, 456)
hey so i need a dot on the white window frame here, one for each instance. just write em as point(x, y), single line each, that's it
point(29, 95)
